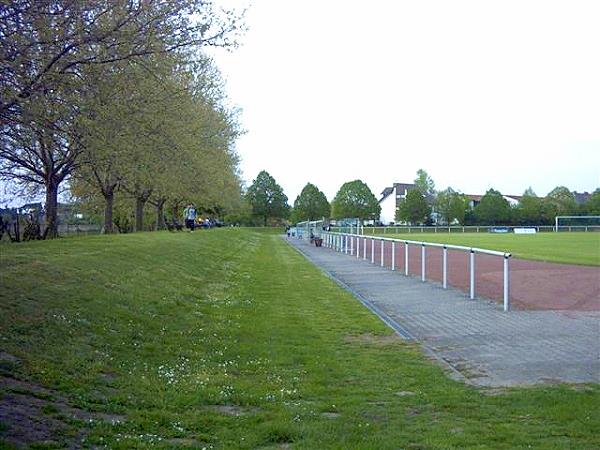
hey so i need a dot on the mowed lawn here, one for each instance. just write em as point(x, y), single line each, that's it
point(571, 248)
point(228, 339)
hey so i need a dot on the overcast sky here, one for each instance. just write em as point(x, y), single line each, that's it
point(480, 94)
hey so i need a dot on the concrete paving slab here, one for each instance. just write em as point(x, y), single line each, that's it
point(480, 343)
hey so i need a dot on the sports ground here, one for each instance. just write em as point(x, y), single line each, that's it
point(571, 248)
point(551, 271)
point(230, 339)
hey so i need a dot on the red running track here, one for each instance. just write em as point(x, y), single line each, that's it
point(534, 285)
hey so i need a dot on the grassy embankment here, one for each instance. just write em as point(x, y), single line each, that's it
point(230, 339)
point(570, 248)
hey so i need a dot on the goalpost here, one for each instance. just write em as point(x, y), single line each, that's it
point(585, 222)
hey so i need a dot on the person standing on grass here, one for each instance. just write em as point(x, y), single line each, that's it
point(189, 215)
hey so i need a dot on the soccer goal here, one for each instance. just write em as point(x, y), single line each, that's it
point(577, 223)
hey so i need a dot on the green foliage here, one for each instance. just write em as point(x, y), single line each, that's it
point(355, 200)
point(413, 209)
point(424, 183)
point(529, 210)
point(593, 205)
point(165, 149)
point(493, 209)
point(311, 204)
point(562, 201)
point(53, 57)
point(451, 206)
point(267, 198)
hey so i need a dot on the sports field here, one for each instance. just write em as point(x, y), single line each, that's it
point(227, 339)
point(570, 248)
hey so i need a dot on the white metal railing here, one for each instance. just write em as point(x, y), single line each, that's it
point(347, 243)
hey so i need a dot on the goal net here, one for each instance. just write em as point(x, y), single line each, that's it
point(577, 223)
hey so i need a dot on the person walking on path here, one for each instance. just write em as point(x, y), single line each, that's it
point(189, 215)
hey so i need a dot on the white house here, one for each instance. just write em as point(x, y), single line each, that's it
point(392, 196)
point(390, 199)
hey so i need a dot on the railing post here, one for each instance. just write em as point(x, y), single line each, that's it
point(357, 247)
point(346, 244)
point(405, 258)
point(422, 262)
point(506, 284)
point(472, 275)
point(382, 247)
point(351, 245)
point(445, 268)
point(365, 249)
point(393, 255)
point(372, 250)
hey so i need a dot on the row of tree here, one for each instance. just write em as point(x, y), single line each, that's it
point(425, 205)
point(266, 200)
point(115, 101)
point(422, 205)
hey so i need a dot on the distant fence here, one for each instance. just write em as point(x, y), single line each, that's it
point(459, 229)
point(431, 261)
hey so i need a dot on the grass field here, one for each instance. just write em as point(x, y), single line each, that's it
point(570, 248)
point(228, 339)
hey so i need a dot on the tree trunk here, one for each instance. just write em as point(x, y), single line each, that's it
point(51, 231)
point(109, 197)
point(140, 202)
point(265, 220)
point(160, 216)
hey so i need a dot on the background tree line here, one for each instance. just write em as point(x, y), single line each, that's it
point(267, 204)
point(426, 206)
point(116, 101)
point(266, 201)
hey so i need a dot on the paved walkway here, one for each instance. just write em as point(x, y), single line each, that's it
point(480, 343)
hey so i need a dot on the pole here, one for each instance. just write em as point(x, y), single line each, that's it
point(357, 247)
point(365, 249)
point(445, 268)
point(423, 262)
point(405, 258)
point(382, 248)
point(372, 250)
point(472, 276)
point(393, 255)
point(506, 285)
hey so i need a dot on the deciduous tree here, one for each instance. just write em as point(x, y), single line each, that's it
point(355, 200)
point(562, 200)
point(311, 204)
point(493, 209)
point(267, 198)
point(413, 209)
point(425, 184)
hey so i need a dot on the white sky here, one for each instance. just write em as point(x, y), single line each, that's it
point(480, 94)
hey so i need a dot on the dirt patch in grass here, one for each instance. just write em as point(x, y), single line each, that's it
point(368, 338)
point(32, 414)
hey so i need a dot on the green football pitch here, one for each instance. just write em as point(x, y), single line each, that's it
point(572, 248)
